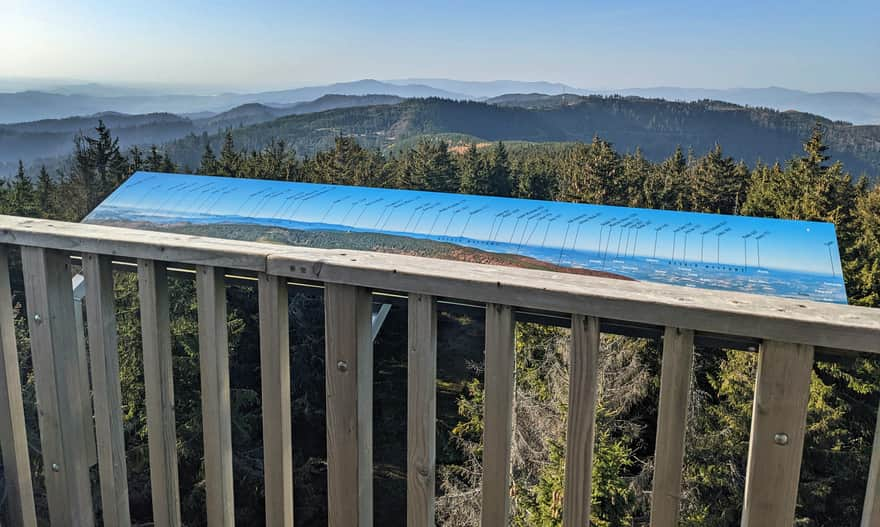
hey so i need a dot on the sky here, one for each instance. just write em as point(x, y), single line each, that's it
point(271, 44)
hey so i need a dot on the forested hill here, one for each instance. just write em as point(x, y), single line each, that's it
point(656, 126)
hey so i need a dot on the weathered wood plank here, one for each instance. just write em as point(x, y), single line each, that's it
point(421, 410)
point(675, 383)
point(349, 363)
point(216, 411)
point(583, 394)
point(59, 392)
point(106, 390)
point(83, 358)
point(275, 380)
point(159, 387)
point(730, 313)
point(723, 312)
point(871, 508)
point(498, 414)
point(134, 243)
point(13, 434)
point(782, 391)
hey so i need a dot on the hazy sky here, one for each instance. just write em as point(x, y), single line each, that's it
point(264, 44)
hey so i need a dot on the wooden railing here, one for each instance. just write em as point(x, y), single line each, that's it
point(788, 333)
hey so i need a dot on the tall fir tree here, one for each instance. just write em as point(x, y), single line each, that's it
point(21, 197)
point(716, 184)
point(208, 163)
point(45, 190)
point(499, 171)
point(229, 163)
point(474, 171)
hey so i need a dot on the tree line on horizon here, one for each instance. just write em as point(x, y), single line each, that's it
point(844, 394)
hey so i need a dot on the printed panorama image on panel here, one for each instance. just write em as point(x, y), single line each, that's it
point(787, 258)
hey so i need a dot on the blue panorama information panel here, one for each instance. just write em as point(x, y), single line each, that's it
point(798, 259)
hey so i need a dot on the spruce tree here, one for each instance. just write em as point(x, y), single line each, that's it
point(229, 163)
point(135, 160)
point(474, 177)
point(499, 171)
point(154, 160)
point(716, 183)
point(592, 174)
point(44, 193)
point(208, 163)
point(21, 199)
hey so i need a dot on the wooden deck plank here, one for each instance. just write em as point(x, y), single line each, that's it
point(498, 414)
point(871, 508)
point(349, 363)
point(216, 411)
point(782, 391)
point(275, 389)
point(159, 387)
point(675, 383)
point(58, 385)
point(19, 488)
point(421, 410)
point(723, 312)
point(106, 389)
point(730, 313)
point(583, 395)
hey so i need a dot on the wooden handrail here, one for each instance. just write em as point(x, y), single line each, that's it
point(818, 324)
point(788, 332)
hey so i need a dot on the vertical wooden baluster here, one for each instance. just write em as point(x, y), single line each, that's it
point(349, 363)
point(159, 387)
point(675, 383)
point(216, 412)
point(782, 391)
point(421, 410)
point(58, 382)
point(13, 434)
point(583, 393)
point(86, 400)
point(107, 392)
point(498, 414)
point(275, 381)
point(871, 508)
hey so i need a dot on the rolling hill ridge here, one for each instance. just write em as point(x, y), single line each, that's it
point(655, 126)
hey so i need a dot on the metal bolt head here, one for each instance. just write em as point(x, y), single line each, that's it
point(55, 467)
point(342, 366)
point(781, 439)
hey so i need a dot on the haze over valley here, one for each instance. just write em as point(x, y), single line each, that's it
point(752, 124)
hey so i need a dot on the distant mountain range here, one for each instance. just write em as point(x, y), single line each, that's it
point(35, 105)
point(393, 122)
point(50, 138)
point(654, 126)
point(67, 100)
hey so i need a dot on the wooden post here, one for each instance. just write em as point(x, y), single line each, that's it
point(421, 410)
point(583, 394)
point(498, 414)
point(159, 387)
point(216, 412)
point(106, 390)
point(13, 433)
point(58, 383)
point(275, 381)
point(675, 383)
point(782, 391)
point(349, 364)
point(871, 509)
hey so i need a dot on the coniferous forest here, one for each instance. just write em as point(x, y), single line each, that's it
point(844, 395)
